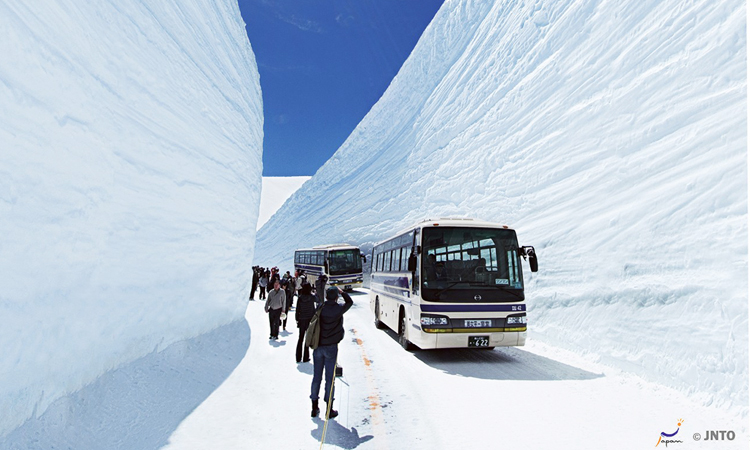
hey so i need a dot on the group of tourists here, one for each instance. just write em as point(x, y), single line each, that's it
point(264, 278)
point(310, 299)
point(280, 295)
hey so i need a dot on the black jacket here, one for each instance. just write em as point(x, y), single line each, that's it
point(289, 298)
point(305, 307)
point(332, 320)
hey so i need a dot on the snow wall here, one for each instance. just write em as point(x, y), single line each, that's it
point(610, 135)
point(130, 176)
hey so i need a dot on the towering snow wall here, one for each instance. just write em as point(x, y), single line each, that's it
point(611, 135)
point(130, 174)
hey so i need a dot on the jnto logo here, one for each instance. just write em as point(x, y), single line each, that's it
point(666, 442)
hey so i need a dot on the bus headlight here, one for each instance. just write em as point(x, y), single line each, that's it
point(516, 320)
point(431, 320)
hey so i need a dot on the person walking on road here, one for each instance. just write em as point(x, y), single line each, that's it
point(262, 284)
point(324, 356)
point(255, 282)
point(299, 278)
point(286, 286)
point(275, 305)
point(304, 312)
point(274, 276)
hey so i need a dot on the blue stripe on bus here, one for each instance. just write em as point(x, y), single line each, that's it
point(397, 292)
point(393, 284)
point(398, 297)
point(472, 308)
point(393, 280)
point(313, 270)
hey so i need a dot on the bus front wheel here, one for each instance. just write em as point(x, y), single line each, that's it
point(402, 333)
point(378, 323)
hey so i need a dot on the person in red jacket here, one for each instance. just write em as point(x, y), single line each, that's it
point(331, 333)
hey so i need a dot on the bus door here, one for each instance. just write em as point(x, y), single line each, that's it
point(414, 263)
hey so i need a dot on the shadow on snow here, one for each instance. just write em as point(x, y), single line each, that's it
point(504, 363)
point(141, 404)
point(338, 434)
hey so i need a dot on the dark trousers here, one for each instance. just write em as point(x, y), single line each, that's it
point(288, 307)
point(323, 357)
point(302, 325)
point(262, 295)
point(252, 291)
point(274, 319)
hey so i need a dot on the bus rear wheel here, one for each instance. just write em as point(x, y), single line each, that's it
point(402, 333)
point(378, 323)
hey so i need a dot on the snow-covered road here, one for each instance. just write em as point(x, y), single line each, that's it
point(533, 397)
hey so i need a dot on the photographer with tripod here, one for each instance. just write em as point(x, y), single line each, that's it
point(324, 356)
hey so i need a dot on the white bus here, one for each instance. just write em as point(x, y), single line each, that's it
point(451, 283)
point(340, 263)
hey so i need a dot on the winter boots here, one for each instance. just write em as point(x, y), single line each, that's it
point(315, 410)
point(333, 413)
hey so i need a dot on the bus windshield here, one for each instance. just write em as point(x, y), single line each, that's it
point(463, 264)
point(343, 262)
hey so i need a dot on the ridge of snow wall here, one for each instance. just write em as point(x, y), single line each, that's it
point(130, 181)
point(610, 135)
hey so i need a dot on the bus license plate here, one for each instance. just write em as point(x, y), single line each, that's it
point(348, 287)
point(479, 341)
point(477, 323)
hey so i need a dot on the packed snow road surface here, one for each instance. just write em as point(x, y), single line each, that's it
point(532, 397)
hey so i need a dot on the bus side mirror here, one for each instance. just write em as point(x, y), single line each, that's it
point(412, 263)
point(528, 251)
point(533, 263)
point(364, 258)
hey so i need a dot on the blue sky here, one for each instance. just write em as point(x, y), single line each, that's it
point(323, 64)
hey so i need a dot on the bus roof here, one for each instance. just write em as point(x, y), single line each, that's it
point(447, 222)
point(330, 247)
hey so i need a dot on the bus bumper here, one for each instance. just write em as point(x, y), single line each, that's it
point(461, 340)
